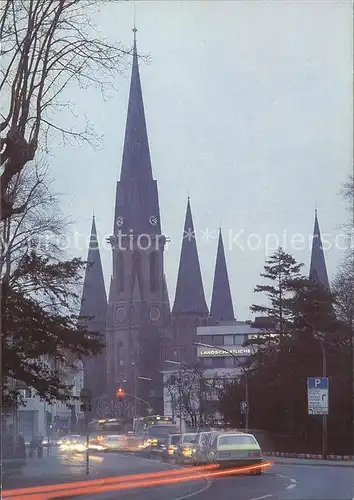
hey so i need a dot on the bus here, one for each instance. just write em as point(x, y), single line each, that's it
point(156, 425)
point(106, 426)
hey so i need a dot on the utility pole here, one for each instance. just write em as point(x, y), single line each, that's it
point(353, 384)
point(324, 417)
point(86, 407)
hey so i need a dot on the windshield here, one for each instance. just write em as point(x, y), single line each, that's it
point(189, 438)
point(175, 439)
point(157, 430)
point(236, 440)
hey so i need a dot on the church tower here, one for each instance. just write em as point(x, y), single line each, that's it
point(138, 311)
point(93, 311)
point(318, 270)
point(221, 309)
point(190, 309)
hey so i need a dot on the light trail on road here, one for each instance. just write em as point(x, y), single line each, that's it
point(128, 482)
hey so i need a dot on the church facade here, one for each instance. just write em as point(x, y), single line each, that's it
point(140, 330)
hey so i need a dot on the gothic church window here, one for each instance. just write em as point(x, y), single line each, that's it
point(120, 272)
point(136, 263)
point(153, 271)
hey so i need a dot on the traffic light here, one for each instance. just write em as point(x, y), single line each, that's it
point(120, 394)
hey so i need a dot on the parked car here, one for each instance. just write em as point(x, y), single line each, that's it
point(186, 448)
point(202, 440)
point(233, 449)
point(169, 453)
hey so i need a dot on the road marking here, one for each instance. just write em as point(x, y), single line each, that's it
point(206, 487)
point(291, 486)
point(293, 482)
point(264, 496)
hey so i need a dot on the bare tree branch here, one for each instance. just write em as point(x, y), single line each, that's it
point(45, 47)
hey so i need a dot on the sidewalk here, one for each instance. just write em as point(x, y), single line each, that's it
point(311, 460)
point(50, 470)
point(309, 455)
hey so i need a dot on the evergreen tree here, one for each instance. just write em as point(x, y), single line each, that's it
point(280, 366)
point(282, 271)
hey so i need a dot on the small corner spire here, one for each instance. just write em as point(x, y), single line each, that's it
point(221, 308)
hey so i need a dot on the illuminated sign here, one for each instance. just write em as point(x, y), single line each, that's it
point(235, 351)
point(255, 336)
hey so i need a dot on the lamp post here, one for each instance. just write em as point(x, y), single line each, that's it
point(149, 379)
point(245, 375)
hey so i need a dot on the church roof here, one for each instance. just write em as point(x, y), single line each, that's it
point(94, 299)
point(189, 290)
point(318, 269)
point(137, 205)
point(221, 308)
point(136, 162)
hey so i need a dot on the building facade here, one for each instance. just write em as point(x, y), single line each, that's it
point(138, 307)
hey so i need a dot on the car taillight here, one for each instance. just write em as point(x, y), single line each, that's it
point(255, 454)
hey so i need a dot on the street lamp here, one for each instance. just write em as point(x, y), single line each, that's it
point(245, 375)
point(149, 379)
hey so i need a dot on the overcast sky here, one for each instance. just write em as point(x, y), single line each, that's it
point(249, 111)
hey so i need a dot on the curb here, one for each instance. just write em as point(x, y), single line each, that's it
point(313, 456)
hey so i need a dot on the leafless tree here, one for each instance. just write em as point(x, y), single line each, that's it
point(47, 47)
point(39, 226)
point(189, 390)
point(343, 289)
point(343, 283)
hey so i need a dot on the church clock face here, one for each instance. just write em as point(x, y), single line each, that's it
point(153, 220)
point(120, 314)
point(120, 221)
point(154, 313)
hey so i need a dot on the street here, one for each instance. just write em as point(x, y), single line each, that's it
point(281, 482)
point(293, 480)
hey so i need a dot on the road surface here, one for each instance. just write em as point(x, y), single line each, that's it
point(293, 481)
point(280, 482)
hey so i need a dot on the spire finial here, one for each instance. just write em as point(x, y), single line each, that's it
point(134, 25)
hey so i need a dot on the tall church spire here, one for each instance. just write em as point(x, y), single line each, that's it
point(137, 205)
point(318, 270)
point(136, 163)
point(221, 308)
point(94, 310)
point(94, 298)
point(189, 290)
